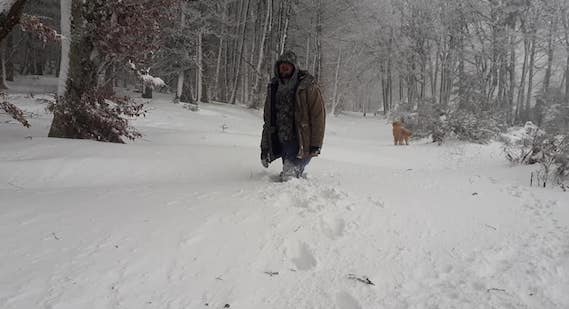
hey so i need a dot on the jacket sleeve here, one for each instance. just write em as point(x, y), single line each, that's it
point(317, 116)
point(265, 135)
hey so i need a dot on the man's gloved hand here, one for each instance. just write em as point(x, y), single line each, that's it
point(265, 159)
point(314, 151)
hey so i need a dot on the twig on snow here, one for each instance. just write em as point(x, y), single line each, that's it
point(272, 273)
point(362, 279)
point(495, 289)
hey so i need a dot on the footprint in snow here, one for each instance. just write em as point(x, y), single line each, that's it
point(304, 258)
point(333, 227)
point(346, 301)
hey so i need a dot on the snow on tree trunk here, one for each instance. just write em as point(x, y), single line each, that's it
point(258, 99)
point(180, 85)
point(567, 78)
point(550, 52)
point(82, 76)
point(65, 45)
point(216, 93)
point(335, 100)
point(307, 52)
point(530, 78)
point(200, 66)
point(284, 34)
point(318, 55)
point(240, 53)
point(3, 50)
point(521, 90)
point(181, 75)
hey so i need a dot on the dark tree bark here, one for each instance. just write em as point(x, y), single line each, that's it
point(82, 77)
point(9, 58)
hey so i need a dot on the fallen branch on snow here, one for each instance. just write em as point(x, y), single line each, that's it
point(362, 279)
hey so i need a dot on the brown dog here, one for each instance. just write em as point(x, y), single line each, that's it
point(400, 133)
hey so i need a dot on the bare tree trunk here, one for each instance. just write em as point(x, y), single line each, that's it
point(218, 68)
point(521, 91)
point(180, 85)
point(200, 69)
point(9, 58)
point(236, 41)
point(423, 76)
point(446, 81)
point(226, 73)
point(3, 51)
point(187, 95)
point(530, 78)
point(566, 34)
point(306, 61)
point(401, 91)
point(240, 54)
point(65, 45)
point(567, 79)
point(512, 71)
point(318, 55)
point(336, 82)
point(389, 85)
point(268, 27)
point(314, 61)
point(386, 84)
point(146, 91)
point(389, 70)
point(435, 74)
point(284, 33)
point(220, 50)
point(550, 49)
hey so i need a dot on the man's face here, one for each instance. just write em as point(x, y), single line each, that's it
point(285, 70)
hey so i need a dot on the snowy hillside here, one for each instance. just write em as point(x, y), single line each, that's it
point(186, 217)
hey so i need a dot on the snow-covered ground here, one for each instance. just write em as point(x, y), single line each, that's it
point(186, 217)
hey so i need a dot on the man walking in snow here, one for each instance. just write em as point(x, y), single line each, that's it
point(295, 118)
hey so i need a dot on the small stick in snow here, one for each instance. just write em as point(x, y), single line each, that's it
point(219, 278)
point(363, 279)
point(298, 228)
point(495, 289)
point(487, 225)
point(55, 236)
point(475, 193)
point(272, 273)
point(16, 186)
